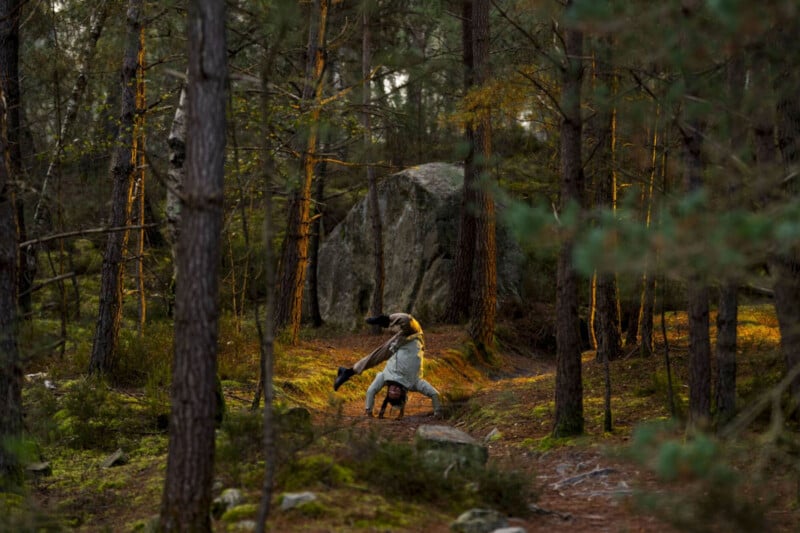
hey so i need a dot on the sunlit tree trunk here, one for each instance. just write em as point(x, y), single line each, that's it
point(484, 297)
point(569, 387)
point(139, 180)
point(11, 423)
point(186, 498)
point(294, 257)
point(111, 281)
point(458, 303)
point(649, 277)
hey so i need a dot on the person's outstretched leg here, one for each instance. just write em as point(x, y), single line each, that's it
point(376, 357)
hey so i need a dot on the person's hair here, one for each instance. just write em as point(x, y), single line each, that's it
point(400, 400)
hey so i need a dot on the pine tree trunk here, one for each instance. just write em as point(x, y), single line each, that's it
point(294, 258)
point(186, 498)
point(569, 387)
point(11, 422)
point(785, 261)
point(458, 303)
point(697, 293)
point(111, 281)
point(607, 328)
point(376, 304)
point(484, 302)
point(727, 309)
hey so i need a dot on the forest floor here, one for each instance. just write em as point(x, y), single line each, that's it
point(628, 479)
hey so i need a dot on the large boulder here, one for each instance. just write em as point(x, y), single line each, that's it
point(420, 209)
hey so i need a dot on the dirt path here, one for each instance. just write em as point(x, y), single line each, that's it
point(581, 488)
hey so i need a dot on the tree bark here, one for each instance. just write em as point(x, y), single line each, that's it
point(10, 86)
point(484, 298)
point(106, 332)
point(607, 327)
point(569, 387)
point(698, 293)
point(727, 309)
point(186, 498)
point(176, 176)
point(11, 422)
point(373, 207)
point(458, 303)
point(785, 261)
point(294, 258)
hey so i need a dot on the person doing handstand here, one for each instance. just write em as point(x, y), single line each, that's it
point(403, 353)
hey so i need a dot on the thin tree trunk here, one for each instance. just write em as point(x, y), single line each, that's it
point(569, 387)
point(649, 278)
point(698, 293)
point(139, 150)
point(727, 309)
point(268, 337)
point(374, 208)
point(484, 298)
point(609, 343)
point(294, 259)
point(111, 283)
point(176, 176)
point(186, 498)
point(458, 303)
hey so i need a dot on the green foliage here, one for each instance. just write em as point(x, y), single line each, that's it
point(701, 490)
point(306, 472)
point(90, 415)
point(21, 514)
point(145, 358)
point(398, 470)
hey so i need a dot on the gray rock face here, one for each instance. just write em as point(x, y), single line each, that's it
point(420, 212)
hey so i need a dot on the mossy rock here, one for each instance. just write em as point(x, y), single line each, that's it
point(240, 512)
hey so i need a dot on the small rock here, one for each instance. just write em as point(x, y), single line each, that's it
point(39, 469)
point(243, 525)
point(514, 529)
point(479, 521)
point(115, 459)
point(293, 499)
point(229, 499)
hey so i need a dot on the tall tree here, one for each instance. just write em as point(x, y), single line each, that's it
point(484, 297)
point(693, 128)
point(569, 387)
point(785, 259)
point(106, 332)
point(10, 361)
point(458, 302)
point(176, 176)
point(294, 256)
point(727, 309)
point(607, 326)
point(376, 304)
point(9, 84)
point(190, 465)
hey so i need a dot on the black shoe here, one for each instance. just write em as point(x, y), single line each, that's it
point(342, 375)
